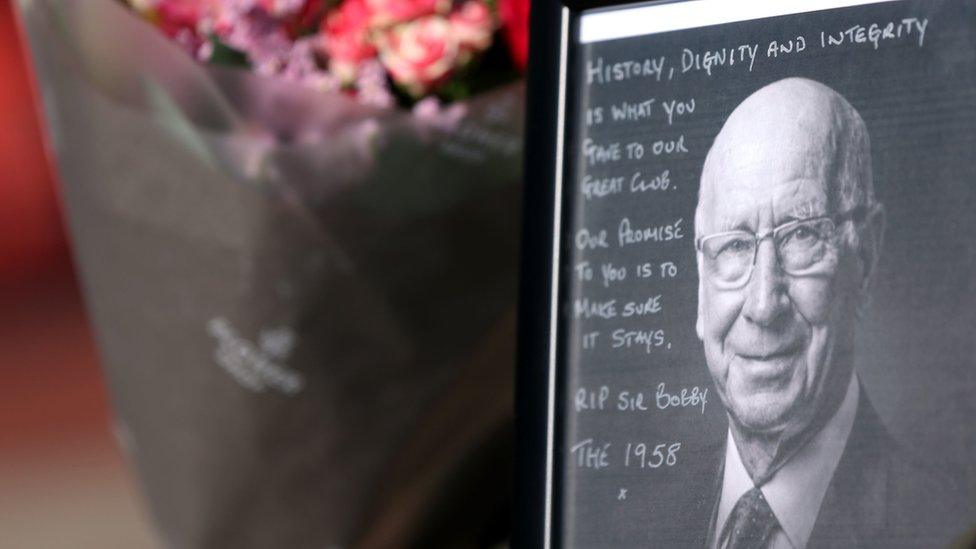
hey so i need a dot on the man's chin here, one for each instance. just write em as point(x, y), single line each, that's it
point(762, 413)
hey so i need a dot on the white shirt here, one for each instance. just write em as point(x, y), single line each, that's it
point(795, 492)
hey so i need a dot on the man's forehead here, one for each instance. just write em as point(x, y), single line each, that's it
point(787, 172)
point(741, 205)
point(775, 151)
point(780, 154)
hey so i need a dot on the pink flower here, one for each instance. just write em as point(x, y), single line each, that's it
point(347, 39)
point(283, 8)
point(473, 25)
point(371, 85)
point(248, 28)
point(431, 113)
point(421, 54)
point(301, 65)
point(385, 13)
point(172, 16)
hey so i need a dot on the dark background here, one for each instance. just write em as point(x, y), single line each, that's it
point(915, 344)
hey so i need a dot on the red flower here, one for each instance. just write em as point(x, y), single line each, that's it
point(172, 16)
point(309, 16)
point(515, 24)
point(391, 12)
point(347, 38)
point(473, 24)
point(177, 19)
point(421, 54)
point(298, 16)
point(282, 8)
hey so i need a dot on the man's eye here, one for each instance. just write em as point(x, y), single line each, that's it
point(736, 246)
point(802, 235)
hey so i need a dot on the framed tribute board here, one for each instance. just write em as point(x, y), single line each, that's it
point(748, 309)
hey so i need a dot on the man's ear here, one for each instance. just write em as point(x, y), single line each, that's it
point(871, 241)
point(700, 323)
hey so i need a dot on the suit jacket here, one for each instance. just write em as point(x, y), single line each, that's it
point(877, 498)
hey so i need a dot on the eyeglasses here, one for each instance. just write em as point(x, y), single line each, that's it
point(802, 247)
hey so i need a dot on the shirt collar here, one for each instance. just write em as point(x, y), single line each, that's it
point(795, 492)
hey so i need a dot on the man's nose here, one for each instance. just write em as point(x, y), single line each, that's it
point(766, 298)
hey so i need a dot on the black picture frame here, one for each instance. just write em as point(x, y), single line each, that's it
point(552, 24)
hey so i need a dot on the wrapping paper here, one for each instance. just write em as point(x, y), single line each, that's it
point(304, 306)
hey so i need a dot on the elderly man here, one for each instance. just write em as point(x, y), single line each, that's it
point(788, 234)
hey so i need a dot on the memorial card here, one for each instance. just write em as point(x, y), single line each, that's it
point(763, 284)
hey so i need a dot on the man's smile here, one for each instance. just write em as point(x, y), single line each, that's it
point(765, 363)
point(761, 344)
point(766, 353)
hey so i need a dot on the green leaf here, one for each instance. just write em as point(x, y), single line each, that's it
point(226, 55)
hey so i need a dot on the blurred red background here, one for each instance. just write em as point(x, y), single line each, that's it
point(63, 482)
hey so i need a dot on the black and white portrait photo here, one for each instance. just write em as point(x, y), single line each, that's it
point(788, 233)
point(770, 306)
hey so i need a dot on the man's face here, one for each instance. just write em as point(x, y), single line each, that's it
point(772, 344)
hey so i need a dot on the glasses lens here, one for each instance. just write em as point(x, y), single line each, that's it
point(729, 257)
point(804, 245)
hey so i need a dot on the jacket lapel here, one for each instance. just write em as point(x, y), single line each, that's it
point(853, 512)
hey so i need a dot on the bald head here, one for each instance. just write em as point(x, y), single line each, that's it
point(791, 129)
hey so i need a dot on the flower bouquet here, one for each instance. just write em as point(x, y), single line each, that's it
point(295, 223)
